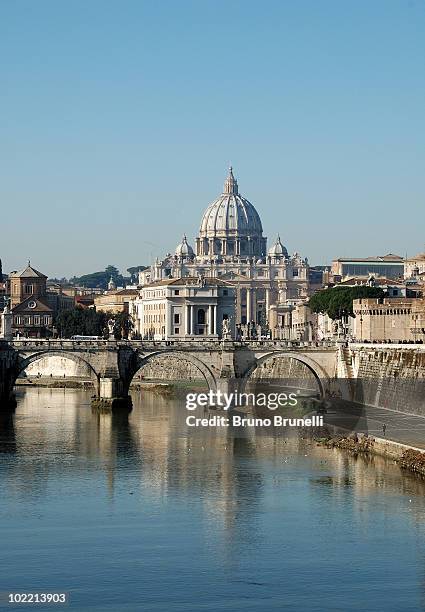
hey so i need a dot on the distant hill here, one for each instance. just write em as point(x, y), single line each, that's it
point(100, 280)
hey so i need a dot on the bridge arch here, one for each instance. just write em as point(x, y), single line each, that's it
point(320, 375)
point(25, 360)
point(206, 372)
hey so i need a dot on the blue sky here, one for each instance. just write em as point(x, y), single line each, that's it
point(119, 120)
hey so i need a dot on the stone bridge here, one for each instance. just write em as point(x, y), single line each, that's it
point(225, 365)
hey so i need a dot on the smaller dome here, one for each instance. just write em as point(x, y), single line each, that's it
point(184, 249)
point(278, 250)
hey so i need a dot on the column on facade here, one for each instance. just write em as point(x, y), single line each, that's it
point(254, 305)
point(186, 319)
point(210, 320)
point(292, 334)
point(238, 305)
point(248, 305)
point(192, 323)
point(214, 319)
point(267, 303)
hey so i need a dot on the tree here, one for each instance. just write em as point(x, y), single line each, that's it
point(123, 325)
point(100, 279)
point(81, 322)
point(337, 301)
point(134, 271)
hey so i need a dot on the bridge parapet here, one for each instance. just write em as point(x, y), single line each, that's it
point(387, 346)
point(203, 345)
point(113, 364)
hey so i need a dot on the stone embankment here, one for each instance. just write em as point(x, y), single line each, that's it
point(408, 458)
point(159, 387)
point(55, 383)
point(388, 377)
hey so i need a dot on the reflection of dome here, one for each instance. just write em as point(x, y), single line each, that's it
point(278, 250)
point(232, 223)
point(184, 249)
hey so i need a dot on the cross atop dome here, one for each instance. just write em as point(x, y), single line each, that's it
point(231, 184)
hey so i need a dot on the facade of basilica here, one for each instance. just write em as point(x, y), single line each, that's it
point(230, 246)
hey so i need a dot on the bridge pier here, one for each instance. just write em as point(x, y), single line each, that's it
point(7, 379)
point(228, 385)
point(113, 395)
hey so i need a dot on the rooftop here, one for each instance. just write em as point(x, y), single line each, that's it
point(390, 257)
point(28, 272)
point(189, 280)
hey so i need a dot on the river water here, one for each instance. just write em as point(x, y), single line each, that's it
point(140, 512)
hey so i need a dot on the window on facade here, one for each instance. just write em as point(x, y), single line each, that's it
point(28, 289)
point(295, 272)
point(176, 291)
point(176, 330)
point(225, 292)
point(177, 318)
point(201, 316)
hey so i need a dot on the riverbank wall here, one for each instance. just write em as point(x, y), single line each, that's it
point(407, 457)
point(387, 376)
point(155, 386)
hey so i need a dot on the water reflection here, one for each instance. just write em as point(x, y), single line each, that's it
point(54, 428)
point(245, 509)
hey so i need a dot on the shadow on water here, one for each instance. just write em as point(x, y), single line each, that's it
point(7, 433)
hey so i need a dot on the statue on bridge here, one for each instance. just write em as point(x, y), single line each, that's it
point(6, 321)
point(111, 327)
point(226, 332)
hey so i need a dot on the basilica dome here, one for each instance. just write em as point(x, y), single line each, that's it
point(230, 213)
point(278, 250)
point(231, 221)
point(184, 249)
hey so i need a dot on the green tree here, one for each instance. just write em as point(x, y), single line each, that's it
point(123, 325)
point(337, 301)
point(134, 271)
point(81, 322)
point(100, 279)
